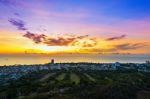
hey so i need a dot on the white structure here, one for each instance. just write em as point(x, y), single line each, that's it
point(147, 62)
point(55, 66)
point(115, 65)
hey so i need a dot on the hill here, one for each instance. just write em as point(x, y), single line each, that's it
point(67, 84)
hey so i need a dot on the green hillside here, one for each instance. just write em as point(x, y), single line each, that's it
point(73, 84)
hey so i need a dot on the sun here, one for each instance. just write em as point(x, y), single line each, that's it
point(53, 49)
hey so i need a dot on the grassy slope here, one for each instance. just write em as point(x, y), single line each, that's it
point(90, 77)
point(74, 78)
point(91, 83)
point(61, 76)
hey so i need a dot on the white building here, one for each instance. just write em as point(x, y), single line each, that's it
point(55, 66)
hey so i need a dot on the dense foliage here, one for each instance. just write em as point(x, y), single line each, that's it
point(74, 84)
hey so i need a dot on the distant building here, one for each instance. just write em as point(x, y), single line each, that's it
point(55, 67)
point(148, 66)
point(147, 62)
point(142, 67)
point(115, 65)
point(52, 61)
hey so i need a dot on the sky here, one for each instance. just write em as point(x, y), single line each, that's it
point(74, 26)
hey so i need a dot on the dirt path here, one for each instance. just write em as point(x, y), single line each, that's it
point(89, 77)
point(46, 76)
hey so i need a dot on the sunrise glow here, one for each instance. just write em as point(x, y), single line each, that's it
point(50, 27)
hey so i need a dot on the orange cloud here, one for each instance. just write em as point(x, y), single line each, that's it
point(69, 40)
point(116, 38)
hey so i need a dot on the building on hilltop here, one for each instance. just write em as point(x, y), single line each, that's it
point(52, 61)
point(55, 67)
point(51, 64)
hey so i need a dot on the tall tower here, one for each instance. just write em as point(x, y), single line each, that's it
point(52, 61)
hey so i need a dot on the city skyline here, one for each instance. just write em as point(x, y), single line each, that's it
point(76, 27)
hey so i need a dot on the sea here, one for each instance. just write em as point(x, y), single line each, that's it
point(71, 58)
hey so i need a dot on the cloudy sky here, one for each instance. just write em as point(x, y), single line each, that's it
point(74, 26)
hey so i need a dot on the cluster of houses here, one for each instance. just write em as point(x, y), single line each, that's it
point(16, 71)
point(144, 67)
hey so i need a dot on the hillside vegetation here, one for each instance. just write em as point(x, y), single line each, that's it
point(73, 84)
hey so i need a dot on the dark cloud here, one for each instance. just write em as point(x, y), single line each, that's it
point(128, 46)
point(116, 38)
point(59, 40)
point(18, 23)
point(35, 37)
point(70, 41)
point(81, 37)
point(116, 48)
